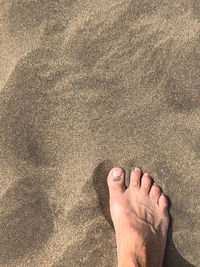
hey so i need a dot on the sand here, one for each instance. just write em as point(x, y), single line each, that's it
point(86, 86)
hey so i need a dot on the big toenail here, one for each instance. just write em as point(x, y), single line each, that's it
point(146, 174)
point(117, 175)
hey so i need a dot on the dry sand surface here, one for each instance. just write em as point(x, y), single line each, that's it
point(85, 86)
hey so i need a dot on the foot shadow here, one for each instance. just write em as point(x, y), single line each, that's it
point(172, 256)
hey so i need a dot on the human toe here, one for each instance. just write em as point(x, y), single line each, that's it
point(115, 181)
point(155, 193)
point(146, 183)
point(162, 202)
point(135, 178)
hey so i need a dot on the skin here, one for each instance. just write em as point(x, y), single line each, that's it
point(140, 219)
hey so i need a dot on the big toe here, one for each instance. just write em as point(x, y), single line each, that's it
point(115, 181)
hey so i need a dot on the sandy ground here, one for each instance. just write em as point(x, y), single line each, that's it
point(85, 86)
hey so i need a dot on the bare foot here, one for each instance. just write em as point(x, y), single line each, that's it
point(140, 219)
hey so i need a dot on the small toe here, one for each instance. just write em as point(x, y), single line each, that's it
point(155, 192)
point(115, 181)
point(163, 203)
point(146, 183)
point(135, 178)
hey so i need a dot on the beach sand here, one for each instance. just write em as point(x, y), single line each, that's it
point(86, 86)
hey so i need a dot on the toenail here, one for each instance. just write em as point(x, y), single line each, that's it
point(137, 169)
point(117, 173)
point(146, 174)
